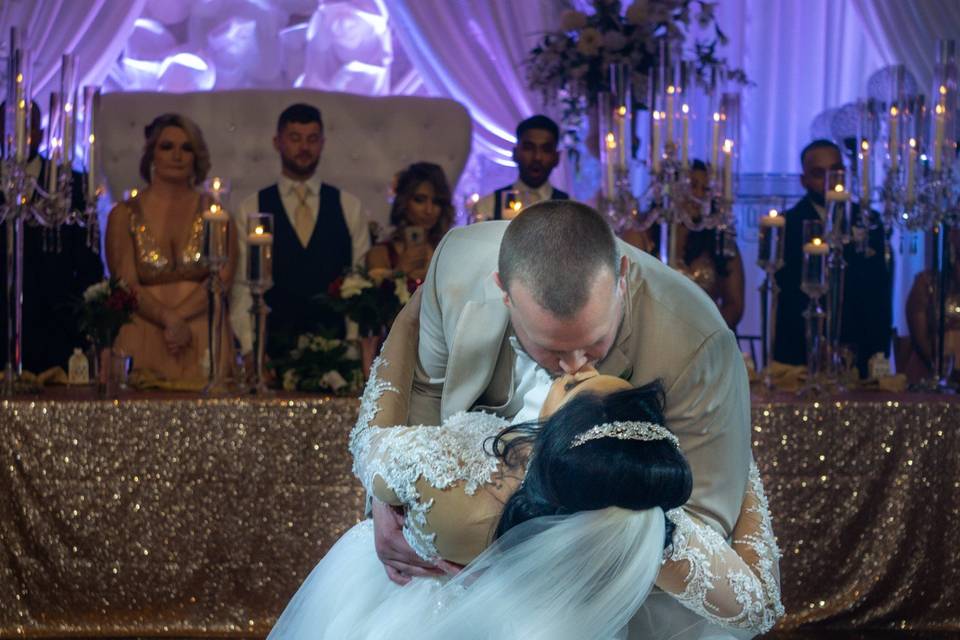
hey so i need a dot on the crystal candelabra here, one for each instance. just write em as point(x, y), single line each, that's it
point(770, 247)
point(814, 284)
point(26, 201)
point(915, 148)
point(216, 254)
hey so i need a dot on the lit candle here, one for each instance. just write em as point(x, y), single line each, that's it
point(260, 257)
point(837, 194)
point(728, 169)
point(814, 258)
point(621, 118)
point(893, 143)
point(911, 161)
point(938, 135)
point(685, 134)
point(655, 143)
point(715, 142)
point(20, 118)
point(91, 167)
point(770, 241)
point(91, 99)
point(68, 94)
point(865, 187)
point(215, 222)
point(671, 90)
point(611, 144)
point(53, 153)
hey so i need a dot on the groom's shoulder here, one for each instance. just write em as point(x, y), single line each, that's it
point(474, 246)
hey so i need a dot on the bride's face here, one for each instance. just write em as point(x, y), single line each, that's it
point(569, 386)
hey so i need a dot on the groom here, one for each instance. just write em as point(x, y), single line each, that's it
point(554, 289)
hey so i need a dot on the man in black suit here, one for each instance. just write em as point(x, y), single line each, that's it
point(866, 316)
point(537, 155)
point(52, 280)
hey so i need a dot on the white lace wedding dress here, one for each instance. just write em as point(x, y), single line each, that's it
point(586, 575)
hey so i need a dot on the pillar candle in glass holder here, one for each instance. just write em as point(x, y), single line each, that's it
point(215, 225)
point(812, 281)
point(911, 162)
point(865, 184)
point(715, 142)
point(940, 114)
point(893, 140)
point(770, 240)
point(91, 102)
point(685, 135)
point(19, 81)
point(68, 99)
point(260, 256)
point(655, 143)
point(671, 91)
point(53, 151)
point(728, 169)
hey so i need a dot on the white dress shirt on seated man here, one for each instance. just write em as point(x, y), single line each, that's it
point(357, 225)
point(528, 195)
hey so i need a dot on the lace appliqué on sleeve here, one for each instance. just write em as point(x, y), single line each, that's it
point(715, 586)
point(400, 455)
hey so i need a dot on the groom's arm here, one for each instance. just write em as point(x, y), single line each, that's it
point(708, 407)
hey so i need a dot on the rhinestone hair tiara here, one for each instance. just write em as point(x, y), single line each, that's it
point(626, 431)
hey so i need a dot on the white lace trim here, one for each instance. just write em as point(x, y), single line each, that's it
point(757, 593)
point(400, 455)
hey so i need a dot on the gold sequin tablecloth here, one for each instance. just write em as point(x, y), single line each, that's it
point(190, 518)
point(167, 517)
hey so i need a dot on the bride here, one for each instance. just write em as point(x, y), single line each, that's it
point(565, 527)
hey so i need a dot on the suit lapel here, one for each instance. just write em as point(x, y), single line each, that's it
point(477, 348)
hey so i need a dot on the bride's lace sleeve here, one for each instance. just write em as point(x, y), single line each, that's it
point(390, 460)
point(735, 585)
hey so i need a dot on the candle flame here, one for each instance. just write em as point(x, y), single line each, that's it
point(671, 90)
point(516, 206)
point(728, 145)
point(817, 242)
point(92, 138)
point(716, 117)
point(134, 192)
point(865, 145)
point(621, 111)
point(611, 141)
point(838, 188)
point(475, 198)
point(23, 104)
point(773, 213)
point(214, 208)
point(216, 184)
point(894, 112)
point(68, 106)
point(939, 109)
point(943, 90)
point(656, 115)
point(913, 142)
point(19, 78)
point(685, 108)
point(258, 230)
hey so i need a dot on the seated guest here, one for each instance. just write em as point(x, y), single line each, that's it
point(922, 305)
point(154, 243)
point(54, 278)
point(536, 156)
point(866, 315)
point(319, 232)
point(698, 255)
point(421, 214)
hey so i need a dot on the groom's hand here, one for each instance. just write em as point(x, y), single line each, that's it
point(399, 560)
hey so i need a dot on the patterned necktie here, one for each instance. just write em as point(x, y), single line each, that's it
point(302, 218)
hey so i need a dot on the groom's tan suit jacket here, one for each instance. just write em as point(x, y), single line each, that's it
point(670, 331)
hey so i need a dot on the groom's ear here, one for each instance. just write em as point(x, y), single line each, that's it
point(506, 295)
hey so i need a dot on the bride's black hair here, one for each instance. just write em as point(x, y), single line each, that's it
point(600, 473)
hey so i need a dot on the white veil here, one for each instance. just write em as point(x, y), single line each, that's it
point(577, 576)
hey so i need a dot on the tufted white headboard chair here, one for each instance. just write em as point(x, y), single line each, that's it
point(367, 139)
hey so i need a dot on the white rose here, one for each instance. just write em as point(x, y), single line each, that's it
point(401, 291)
point(98, 290)
point(303, 342)
point(590, 42)
point(320, 343)
point(333, 380)
point(571, 20)
point(353, 284)
point(290, 380)
point(637, 12)
point(614, 41)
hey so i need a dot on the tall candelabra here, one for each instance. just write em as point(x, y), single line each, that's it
point(216, 226)
point(770, 258)
point(26, 201)
point(675, 196)
point(259, 270)
point(920, 188)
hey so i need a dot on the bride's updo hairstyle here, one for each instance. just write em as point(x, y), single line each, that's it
point(601, 472)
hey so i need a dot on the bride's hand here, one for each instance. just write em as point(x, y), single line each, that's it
point(399, 560)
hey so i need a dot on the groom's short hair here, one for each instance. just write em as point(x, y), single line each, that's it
point(556, 248)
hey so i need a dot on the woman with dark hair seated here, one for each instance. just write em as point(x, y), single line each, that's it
point(564, 526)
point(421, 214)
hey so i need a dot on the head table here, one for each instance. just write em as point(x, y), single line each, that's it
point(165, 514)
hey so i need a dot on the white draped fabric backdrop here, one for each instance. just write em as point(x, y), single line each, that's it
point(804, 56)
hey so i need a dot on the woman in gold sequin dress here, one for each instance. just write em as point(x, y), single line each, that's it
point(721, 276)
point(154, 243)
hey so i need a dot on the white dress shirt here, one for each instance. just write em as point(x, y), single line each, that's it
point(533, 386)
point(353, 216)
point(528, 196)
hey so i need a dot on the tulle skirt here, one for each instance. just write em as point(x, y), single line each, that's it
point(501, 595)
